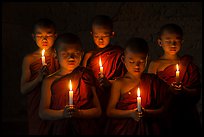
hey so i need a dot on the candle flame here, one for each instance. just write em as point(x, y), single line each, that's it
point(43, 52)
point(138, 92)
point(70, 85)
point(100, 62)
point(177, 67)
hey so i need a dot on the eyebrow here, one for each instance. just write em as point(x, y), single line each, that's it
point(130, 58)
point(49, 32)
point(102, 33)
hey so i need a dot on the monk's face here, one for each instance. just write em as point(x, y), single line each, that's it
point(44, 37)
point(101, 36)
point(135, 62)
point(170, 42)
point(69, 55)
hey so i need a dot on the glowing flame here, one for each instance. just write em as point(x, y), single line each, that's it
point(43, 52)
point(177, 67)
point(138, 92)
point(70, 85)
point(100, 62)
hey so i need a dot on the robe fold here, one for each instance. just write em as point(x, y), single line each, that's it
point(153, 92)
point(33, 98)
point(112, 69)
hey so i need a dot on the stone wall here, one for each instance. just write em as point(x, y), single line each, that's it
point(142, 19)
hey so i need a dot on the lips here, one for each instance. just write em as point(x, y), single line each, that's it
point(44, 44)
point(172, 49)
point(136, 70)
point(71, 63)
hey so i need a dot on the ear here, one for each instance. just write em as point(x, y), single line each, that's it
point(91, 32)
point(159, 42)
point(33, 36)
point(123, 59)
point(113, 33)
point(55, 54)
point(82, 54)
point(147, 57)
point(56, 35)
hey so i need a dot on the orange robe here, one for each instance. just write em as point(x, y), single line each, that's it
point(153, 94)
point(33, 98)
point(184, 117)
point(82, 81)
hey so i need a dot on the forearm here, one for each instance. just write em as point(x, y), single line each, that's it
point(153, 113)
point(27, 87)
point(88, 113)
point(120, 113)
point(49, 114)
point(111, 81)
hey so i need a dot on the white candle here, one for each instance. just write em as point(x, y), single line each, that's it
point(70, 93)
point(138, 100)
point(43, 57)
point(177, 73)
point(101, 67)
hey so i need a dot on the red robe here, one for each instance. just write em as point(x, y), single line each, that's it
point(82, 81)
point(112, 68)
point(111, 62)
point(184, 118)
point(33, 98)
point(153, 93)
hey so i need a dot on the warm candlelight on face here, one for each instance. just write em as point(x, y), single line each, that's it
point(100, 64)
point(177, 73)
point(70, 93)
point(43, 57)
point(138, 100)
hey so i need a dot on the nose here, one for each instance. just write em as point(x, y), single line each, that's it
point(70, 56)
point(136, 64)
point(100, 39)
point(44, 38)
point(174, 43)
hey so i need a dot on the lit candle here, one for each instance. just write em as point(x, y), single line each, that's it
point(70, 93)
point(138, 100)
point(43, 57)
point(177, 73)
point(101, 67)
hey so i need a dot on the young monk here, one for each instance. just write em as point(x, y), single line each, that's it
point(76, 119)
point(33, 71)
point(184, 117)
point(125, 118)
point(110, 55)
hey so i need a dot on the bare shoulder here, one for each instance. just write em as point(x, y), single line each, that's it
point(29, 58)
point(88, 54)
point(118, 82)
point(50, 78)
point(86, 57)
point(153, 66)
point(155, 62)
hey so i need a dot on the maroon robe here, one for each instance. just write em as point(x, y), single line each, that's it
point(33, 98)
point(184, 116)
point(82, 81)
point(153, 93)
point(112, 69)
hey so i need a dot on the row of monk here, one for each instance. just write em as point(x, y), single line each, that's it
point(102, 84)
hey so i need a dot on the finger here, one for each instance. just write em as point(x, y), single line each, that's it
point(137, 119)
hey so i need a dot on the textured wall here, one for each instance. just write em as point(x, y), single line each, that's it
point(130, 19)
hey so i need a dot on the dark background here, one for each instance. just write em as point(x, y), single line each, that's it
point(142, 19)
